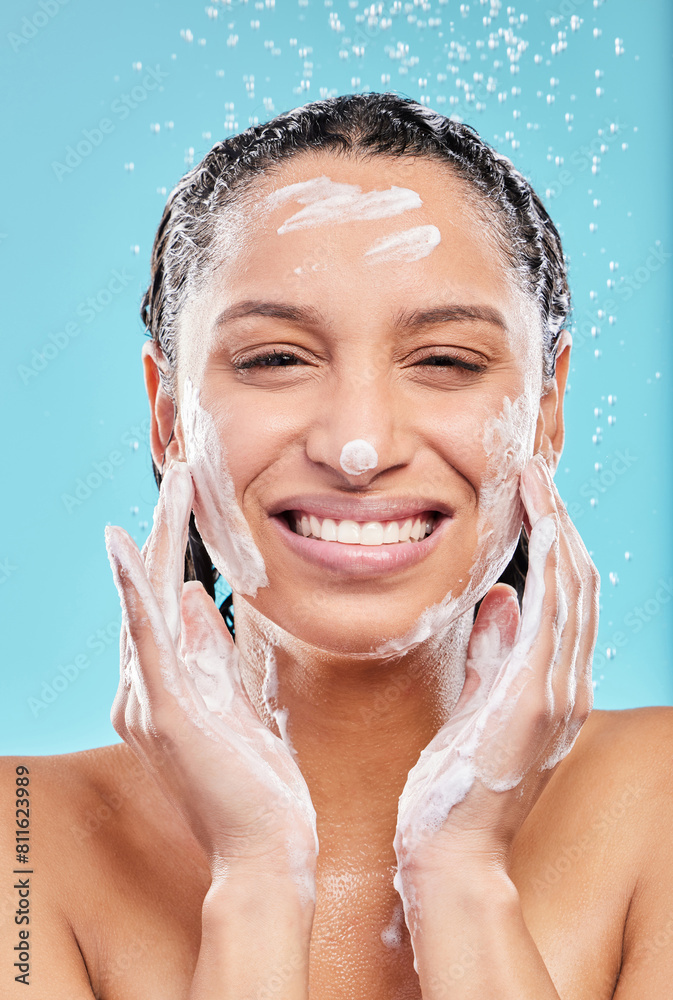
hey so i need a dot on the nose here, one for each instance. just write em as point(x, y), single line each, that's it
point(361, 432)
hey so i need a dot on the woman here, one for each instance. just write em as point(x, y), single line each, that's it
point(356, 375)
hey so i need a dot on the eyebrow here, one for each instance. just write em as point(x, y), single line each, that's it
point(405, 320)
point(450, 314)
point(303, 315)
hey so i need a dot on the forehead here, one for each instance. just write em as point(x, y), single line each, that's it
point(358, 238)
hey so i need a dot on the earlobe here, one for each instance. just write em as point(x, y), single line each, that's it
point(550, 432)
point(165, 433)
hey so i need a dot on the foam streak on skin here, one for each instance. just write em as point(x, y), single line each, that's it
point(219, 518)
point(270, 698)
point(203, 676)
point(508, 443)
point(329, 202)
point(468, 747)
point(406, 246)
point(358, 456)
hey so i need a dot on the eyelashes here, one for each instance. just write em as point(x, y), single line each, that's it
point(269, 359)
point(451, 361)
point(288, 359)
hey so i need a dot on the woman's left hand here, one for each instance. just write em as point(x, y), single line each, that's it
point(527, 693)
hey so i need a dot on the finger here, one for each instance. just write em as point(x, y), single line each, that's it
point(208, 650)
point(540, 596)
point(149, 642)
point(564, 720)
point(491, 640)
point(583, 596)
point(165, 549)
point(212, 660)
point(521, 701)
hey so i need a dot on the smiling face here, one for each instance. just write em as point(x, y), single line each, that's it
point(373, 377)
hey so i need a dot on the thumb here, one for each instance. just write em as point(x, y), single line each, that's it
point(491, 641)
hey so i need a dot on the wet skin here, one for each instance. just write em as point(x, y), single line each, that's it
point(125, 873)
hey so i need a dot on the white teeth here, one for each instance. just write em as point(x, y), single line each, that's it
point(391, 532)
point(405, 530)
point(348, 532)
point(328, 531)
point(371, 533)
point(366, 533)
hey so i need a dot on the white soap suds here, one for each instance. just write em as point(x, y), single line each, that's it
point(270, 697)
point(392, 934)
point(219, 518)
point(408, 245)
point(508, 444)
point(202, 673)
point(470, 746)
point(328, 202)
point(358, 456)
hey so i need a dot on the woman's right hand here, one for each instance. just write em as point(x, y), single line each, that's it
point(182, 708)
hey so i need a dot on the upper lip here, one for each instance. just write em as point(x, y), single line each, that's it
point(361, 508)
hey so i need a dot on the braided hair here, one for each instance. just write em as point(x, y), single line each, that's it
point(190, 238)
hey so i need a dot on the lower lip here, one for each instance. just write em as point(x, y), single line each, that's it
point(359, 560)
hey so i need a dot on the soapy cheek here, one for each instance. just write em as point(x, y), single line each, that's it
point(219, 518)
point(495, 454)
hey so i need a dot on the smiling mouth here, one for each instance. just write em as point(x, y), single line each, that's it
point(347, 532)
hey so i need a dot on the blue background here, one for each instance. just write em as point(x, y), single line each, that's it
point(587, 118)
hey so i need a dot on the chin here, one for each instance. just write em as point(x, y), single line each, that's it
point(352, 626)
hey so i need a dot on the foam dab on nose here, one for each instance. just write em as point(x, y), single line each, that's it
point(358, 456)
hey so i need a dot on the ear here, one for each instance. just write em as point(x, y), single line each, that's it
point(166, 439)
point(550, 432)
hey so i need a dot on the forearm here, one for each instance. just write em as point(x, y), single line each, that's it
point(255, 938)
point(471, 941)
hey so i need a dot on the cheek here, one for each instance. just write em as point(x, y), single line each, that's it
point(258, 436)
point(219, 518)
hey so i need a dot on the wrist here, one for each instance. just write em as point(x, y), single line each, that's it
point(457, 882)
point(261, 888)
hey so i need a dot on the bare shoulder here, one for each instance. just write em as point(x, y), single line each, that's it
point(620, 766)
point(42, 792)
point(88, 805)
point(631, 746)
point(94, 827)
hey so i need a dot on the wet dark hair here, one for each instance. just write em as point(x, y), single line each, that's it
point(362, 126)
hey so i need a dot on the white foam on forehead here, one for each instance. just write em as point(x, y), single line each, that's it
point(406, 246)
point(327, 201)
point(219, 518)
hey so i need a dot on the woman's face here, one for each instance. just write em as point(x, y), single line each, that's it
point(389, 319)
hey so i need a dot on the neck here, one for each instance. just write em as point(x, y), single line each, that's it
point(356, 724)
